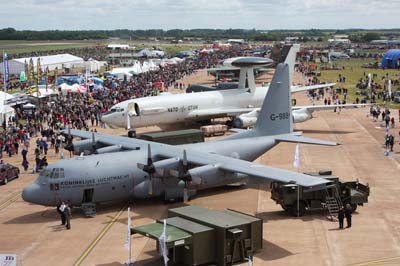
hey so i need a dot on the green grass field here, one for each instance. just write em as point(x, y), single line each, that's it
point(353, 72)
point(18, 47)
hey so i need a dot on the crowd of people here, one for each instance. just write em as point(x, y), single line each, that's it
point(83, 111)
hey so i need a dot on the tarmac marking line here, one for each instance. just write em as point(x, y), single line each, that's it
point(375, 262)
point(99, 237)
point(8, 202)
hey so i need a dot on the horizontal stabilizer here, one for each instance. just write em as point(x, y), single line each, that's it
point(305, 140)
point(312, 87)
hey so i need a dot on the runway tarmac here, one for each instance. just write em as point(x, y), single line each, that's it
point(34, 232)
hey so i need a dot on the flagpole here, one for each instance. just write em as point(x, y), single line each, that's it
point(296, 164)
point(4, 76)
point(5, 83)
point(128, 243)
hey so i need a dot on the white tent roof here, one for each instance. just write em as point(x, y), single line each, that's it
point(51, 59)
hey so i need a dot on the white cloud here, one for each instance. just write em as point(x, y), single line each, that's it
point(145, 14)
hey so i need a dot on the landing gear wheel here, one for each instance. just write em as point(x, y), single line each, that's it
point(353, 207)
point(285, 208)
point(5, 181)
point(302, 208)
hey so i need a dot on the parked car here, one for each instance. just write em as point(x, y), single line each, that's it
point(8, 172)
point(396, 96)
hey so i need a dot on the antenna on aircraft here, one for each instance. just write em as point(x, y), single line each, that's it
point(247, 65)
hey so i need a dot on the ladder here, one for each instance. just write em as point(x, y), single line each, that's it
point(89, 208)
point(333, 203)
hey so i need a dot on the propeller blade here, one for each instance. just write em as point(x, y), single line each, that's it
point(140, 166)
point(185, 194)
point(93, 138)
point(151, 184)
point(185, 161)
point(149, 158)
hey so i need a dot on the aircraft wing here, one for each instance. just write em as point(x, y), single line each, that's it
point(312, 87)
point(107, 140)
point(218, 112)
point(198, 158)
point(251, 169)
point(313, 108)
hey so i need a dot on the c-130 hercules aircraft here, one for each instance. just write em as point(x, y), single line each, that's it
point(133, 168)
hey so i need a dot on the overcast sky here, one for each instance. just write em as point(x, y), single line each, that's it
point(191, 14)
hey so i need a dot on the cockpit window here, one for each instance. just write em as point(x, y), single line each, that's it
point(61, 173)
point(52, 173)
point(45, 173)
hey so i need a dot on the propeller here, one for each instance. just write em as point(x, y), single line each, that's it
point(149, 168)
point(185, 177)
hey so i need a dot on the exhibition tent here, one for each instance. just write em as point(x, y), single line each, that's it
point(391, 59)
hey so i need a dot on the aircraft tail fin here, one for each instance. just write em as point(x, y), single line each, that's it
point(291, 60)
point(275, 116)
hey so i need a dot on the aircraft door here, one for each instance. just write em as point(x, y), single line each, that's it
point(88, 195)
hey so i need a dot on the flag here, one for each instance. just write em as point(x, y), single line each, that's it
point(55, 76)
point(22, 76)
point(31, 72)
point(390, 88)
point(39, 71)
point(26, 66)
point(6, 73)
point(163, 244)
point(128, 232)
point(296, 163)
point(47, 77)
point(369, 80)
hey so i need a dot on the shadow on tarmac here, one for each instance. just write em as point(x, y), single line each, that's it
point(283, 215)
point(318, 131)
point(35, 217)
point(271, 251)
point(155, 208)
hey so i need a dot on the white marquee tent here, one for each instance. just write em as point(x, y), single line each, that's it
point(16, 66)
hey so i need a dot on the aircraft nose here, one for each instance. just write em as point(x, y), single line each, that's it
point(104, 119)
point(31, 193)
point(110, 120)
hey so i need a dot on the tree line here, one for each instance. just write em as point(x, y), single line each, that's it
point(205, 34)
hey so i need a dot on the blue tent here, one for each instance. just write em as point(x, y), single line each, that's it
point(391, 59)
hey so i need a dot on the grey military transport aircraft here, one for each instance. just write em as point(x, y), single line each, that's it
point(125, 168)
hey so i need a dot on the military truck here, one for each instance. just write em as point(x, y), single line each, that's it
point(336, 195)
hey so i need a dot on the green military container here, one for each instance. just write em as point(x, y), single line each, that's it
point(237, 235)
point(184, 239)
point(202, 240)
point(175, 137)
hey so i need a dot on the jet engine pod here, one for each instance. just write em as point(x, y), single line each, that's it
point(301, 115)
point(244, 122)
